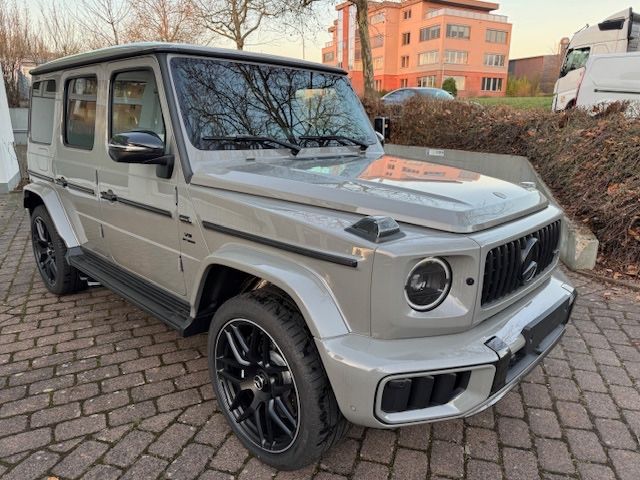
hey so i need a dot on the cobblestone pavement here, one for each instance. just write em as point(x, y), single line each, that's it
point(92, 387)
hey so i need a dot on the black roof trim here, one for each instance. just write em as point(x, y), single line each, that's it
point(121, 52)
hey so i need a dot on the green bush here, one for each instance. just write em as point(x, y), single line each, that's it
point(450, 86)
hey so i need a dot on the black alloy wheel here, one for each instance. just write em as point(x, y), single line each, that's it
point(257, 385)
point(44, 251)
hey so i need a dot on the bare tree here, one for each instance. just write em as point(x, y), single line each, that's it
point(164, 20)
point(16, 47)
point(236, 20)
point(362, 20)
point(59, 35)
point(104, 22)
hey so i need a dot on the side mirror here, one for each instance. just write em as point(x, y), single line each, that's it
point(380, 138)
point(382, 125)
point(138, 147)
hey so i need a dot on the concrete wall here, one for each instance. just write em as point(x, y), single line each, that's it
point(19, 124)
point(580, 247)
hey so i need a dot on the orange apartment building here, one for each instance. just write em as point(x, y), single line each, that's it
point(420, 43)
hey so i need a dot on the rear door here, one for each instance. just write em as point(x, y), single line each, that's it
point(139, 207)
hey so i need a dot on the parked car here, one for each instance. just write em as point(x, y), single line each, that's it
point(611, 78)
point(401, 95)
point(247, 196)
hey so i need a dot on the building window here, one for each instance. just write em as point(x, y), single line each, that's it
point(406, 38)
point(491, 84)
point(493, 60)
point(43, 102)
point(428, 58)
point(429, 81)
point(378, 62)
point(377, 41)
point(406, 15)
point(459, 31)
point(404, 83)
point(496, 36)
point(80, 113)
point(456, 56)
point(328, 57)
point(429, 33)
point(404, 61)
point(460, 82)
point(377, 85)
point(377, 18)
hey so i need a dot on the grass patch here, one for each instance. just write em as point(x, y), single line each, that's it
point(525, 103)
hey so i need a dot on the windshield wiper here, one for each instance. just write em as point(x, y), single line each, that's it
point(341, 139)
point(295, 149)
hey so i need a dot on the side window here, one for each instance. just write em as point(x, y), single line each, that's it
point(135, 104)
point(43, 102)
point(575, 59)
point(80, 114)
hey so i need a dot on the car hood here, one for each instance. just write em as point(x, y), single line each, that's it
point(421, 193)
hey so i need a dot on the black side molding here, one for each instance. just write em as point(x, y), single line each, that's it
point(112, 197)
point(307, 252)
point(40, 176)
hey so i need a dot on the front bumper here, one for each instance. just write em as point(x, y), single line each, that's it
point(494, 355)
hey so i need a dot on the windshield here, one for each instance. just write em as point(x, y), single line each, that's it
point(221, 98)
point(575, 59)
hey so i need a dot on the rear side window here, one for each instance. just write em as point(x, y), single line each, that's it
point(43, 101)
point(80, 116)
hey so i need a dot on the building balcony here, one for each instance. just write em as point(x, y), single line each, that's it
point(462, 13)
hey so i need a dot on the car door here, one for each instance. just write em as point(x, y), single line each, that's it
point(139, 207)
point(76, 157)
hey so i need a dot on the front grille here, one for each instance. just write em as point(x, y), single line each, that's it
point(503, 267)
point(415, 393)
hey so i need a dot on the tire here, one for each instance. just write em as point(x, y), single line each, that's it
point(292, 368)
point(49, 251)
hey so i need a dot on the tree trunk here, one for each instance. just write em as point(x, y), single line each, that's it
point(362, 19)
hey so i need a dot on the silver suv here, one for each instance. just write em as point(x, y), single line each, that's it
point(248, 196)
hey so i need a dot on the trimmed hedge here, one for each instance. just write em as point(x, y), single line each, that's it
point(592, 163)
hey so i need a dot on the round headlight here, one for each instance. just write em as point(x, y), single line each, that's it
point(428, 284)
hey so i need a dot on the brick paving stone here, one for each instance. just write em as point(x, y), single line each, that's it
point(553, 456)
point(377, 445)
point(447, 459)
point(481, 470)
point(33, 467)
point(172, 440)
point(586, 446)
point(342, 458)
point(615, 434)
point(367, 471)
point(410, 465)
point(80, 459)
point(129, 448)
point(92, 387)
point(191, 461)
point(514, 432)
point(520, 464)
point(626, 464)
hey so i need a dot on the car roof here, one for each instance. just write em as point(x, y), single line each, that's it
point(120, 52)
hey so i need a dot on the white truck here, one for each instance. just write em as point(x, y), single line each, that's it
point(619, 33)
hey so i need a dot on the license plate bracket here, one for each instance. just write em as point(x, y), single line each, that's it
point(535, 332)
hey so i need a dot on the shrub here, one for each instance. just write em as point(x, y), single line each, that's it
point(591, 163)
point(450, 86)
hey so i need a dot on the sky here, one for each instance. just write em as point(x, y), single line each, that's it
point(538, 25)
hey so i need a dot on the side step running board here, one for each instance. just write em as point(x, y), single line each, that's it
point(161, 304)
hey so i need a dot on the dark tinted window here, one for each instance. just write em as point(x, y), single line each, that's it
point(80, 115)
point(220, 99)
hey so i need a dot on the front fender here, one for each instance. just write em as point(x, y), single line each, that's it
point(42, 193)
point(307, 288)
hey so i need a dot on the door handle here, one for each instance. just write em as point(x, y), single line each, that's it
point(109, 195)
point(62, 181)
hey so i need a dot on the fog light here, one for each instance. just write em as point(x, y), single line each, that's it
point(428, 284)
